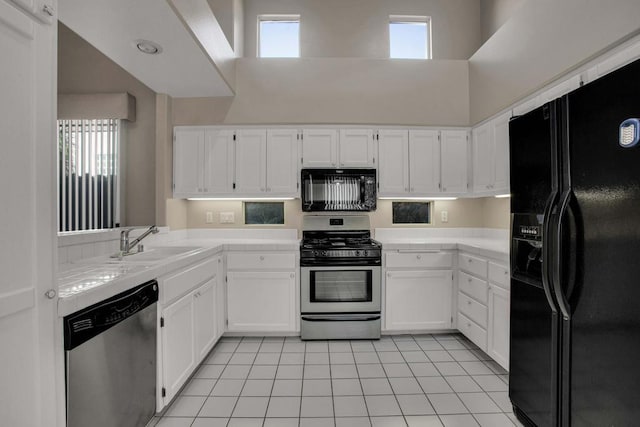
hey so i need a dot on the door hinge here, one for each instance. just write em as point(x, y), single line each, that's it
point(162, 322)
point(439, 137)
point(164, 392)
point(234, 136)
point(174, 138)
point(301, 160)
point(234, 185)
point(226, 322)
point(225, 279)
point(374, 160)
point(174, 186)
point(297, 185)
point(452, 320)
point(298, 136)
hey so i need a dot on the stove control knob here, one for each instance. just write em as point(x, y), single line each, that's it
point(324, 253)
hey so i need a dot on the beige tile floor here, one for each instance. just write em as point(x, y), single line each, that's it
point(405, 380)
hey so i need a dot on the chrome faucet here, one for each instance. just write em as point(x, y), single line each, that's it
point(126, 246)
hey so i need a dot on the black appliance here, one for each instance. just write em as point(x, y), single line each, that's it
point(575, 285)
point(340, 279)
point(338, 190)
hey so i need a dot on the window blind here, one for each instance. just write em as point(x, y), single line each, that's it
point(88, 174)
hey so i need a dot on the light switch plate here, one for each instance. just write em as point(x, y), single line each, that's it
point(227, 218)
point(444, 216)
point(209, 217)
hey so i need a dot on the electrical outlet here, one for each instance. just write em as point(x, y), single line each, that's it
point(444, 216)
point(209, 217)
point(227, 218)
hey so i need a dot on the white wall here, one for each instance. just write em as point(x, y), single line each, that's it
point(494, 13)
point(543, 40)
point(359, 28)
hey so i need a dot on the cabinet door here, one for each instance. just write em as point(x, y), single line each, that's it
point(501, 146)
point(424, 161)
point(454, 161)
point(205, 317)
point(356, 148)
point(218, 161)
point(393, 169)
point(319, 148)
point(187, 161)
point(282, 162)
point(251, 147)
point(221, 303)
point(178, 349)
point(418, 300)
point(498, 329)
point(483, 158)
point(261, 301)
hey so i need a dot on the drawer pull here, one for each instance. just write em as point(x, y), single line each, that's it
point(419, 256)
point(506, 272)
point(470, 279)
point(469, 260)
point(261, 258)
point(468, 302)
point(468, 325)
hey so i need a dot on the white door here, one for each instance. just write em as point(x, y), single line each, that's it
point(393, 162)
point(205, 317)
point(498, 328)
point(454, 161)
point(417, 300)
point(218, 161)
point(483, 158)
point(319, 148)
point(261, 301)
point(424, 161)
point(188, 152)
point(356, 148)
point(501, 142)
point(28, 351)
point(282, 162)
point(178, 345)
point(251, 153)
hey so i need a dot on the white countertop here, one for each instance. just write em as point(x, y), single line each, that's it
point(490, 247)
point(89, 281)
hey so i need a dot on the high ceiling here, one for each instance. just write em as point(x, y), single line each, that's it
point(183, 69)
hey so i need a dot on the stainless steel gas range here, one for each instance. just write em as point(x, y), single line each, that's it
point(339, 278)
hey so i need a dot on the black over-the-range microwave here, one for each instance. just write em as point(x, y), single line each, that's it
point(338, 190)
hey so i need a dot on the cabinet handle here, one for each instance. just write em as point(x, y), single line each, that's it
point(468, 302)
point(468, 325)
point(48, 9)
point(469, 260)
point(412, 189)
point(419, 256)
point(51, 293)
point(469, 279)
point(444, 188)
point(261, 258)
point(292, 275)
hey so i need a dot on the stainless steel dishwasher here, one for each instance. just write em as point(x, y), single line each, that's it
point(111, 360)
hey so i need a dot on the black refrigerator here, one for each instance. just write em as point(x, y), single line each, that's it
point(575, 257)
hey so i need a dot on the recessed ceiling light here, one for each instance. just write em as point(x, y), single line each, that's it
point(148, 47)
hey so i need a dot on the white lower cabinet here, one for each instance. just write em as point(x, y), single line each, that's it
point(498, 337)
point(483, 305)
point(178, 345)
point(418, 299)
point(262, 292)
point(189, 324)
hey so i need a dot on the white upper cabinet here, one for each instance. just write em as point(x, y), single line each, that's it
point(424, 161)
point(356, 148)
point(188, 152)
point(393, 168)
point(282, 161)
point(251, 154)
point(614, 62)
point(319, 148)
point(218, 161)
point(490, 156)
point(454, 162)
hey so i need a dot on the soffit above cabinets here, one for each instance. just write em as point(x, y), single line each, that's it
point(183, 69)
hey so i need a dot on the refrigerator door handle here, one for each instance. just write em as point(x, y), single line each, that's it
point(556, 276)
point(546, 252)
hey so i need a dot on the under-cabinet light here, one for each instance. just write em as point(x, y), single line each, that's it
point(418, 198)
point(244, 199)
point(502, 196)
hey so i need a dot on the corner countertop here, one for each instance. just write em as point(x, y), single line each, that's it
point(88, 281)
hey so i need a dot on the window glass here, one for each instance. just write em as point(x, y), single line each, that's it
point(411, 212)
point(264, 212)
point(88, 174)
point(279, 37)
point(409, 38)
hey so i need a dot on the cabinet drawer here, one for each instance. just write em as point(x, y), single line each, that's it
point(474, 265)
point(499, 274)
point(473, 287)
point(472, 309)
point(475, 333)
point(261, 261)
point(178, 284)
point(435, 259)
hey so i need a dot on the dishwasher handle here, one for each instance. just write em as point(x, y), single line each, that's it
point(85, 324)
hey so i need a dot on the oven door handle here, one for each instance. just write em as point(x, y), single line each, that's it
point(342, 318)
